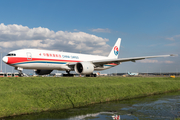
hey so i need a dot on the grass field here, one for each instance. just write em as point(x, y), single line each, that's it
point(35, 94)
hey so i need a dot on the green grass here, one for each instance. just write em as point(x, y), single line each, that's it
point(36, 94)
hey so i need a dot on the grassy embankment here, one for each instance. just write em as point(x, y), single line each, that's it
point(29, 95)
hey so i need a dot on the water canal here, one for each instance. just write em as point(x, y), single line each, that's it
point(157, 107)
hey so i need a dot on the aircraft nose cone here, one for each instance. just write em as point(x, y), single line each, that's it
point(5, 59)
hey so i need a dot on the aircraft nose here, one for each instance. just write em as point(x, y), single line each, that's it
point(5, 59)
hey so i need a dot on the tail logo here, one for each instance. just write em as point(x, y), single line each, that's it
point(116, 50)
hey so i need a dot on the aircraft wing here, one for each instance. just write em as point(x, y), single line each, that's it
point(117, 61)
point(132, 59)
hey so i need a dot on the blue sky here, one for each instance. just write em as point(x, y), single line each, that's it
point(146, 28)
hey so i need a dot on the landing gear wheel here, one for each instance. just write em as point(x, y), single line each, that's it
point(19, 71)
point(91, 75)
point(68, 71)
point(20, 74)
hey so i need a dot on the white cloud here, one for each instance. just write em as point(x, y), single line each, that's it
point(169, 62)
point(172, 44)
point(155, 61)
point(101, 30)
point(148, 61)
point(17, 36)
point(174, 37)
point(97, 52)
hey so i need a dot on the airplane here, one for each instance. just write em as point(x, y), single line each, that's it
point(132, 74)
point(45, 61)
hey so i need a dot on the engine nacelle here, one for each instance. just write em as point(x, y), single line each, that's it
point(43, 72)
point(84, 68)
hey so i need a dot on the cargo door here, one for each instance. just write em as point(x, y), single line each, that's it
point(29, 56)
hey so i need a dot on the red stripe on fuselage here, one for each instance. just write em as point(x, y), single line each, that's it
point(14, 60)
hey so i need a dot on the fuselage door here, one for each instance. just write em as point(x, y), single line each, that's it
point(29, 56)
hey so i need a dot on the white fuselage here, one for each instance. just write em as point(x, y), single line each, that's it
point(50, 60)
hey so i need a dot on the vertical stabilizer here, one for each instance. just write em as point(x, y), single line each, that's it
point(115, 50)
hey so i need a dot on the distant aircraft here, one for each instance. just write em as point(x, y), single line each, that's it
point(133, 74)
point(45, 61)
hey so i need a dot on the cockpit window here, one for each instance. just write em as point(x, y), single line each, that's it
point(11, 54)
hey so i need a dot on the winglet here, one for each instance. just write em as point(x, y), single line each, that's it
point(115, 50)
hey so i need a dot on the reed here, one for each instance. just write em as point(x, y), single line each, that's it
point(36, 94)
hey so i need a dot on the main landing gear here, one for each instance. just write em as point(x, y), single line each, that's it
point(91, 75)
point(71, 75)
point(68, 74)
point(68, 71)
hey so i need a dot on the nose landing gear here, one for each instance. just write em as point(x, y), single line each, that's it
point(19, 71)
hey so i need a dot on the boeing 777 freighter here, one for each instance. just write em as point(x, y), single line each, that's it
point(45, 61)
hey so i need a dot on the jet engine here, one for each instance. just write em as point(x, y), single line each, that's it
point(84, 68)
point(43, 72)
